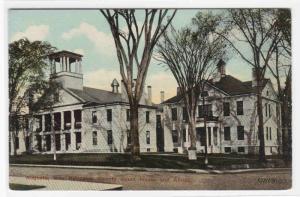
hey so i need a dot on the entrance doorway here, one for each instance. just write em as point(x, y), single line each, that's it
point(201, 136)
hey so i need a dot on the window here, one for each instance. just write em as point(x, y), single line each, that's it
point(128, 137)
point(148, 149)
point(95, 141)
point(77, 116)
point(47, 122)
point(127, 114)
point(39, 123)
point(175, 136)
point(67, 140)
point(57, 121)
point(184, 114)
point(240, 132)
point(174, 114)
point(267, 133)
point(270, 135)
point(67, 120)
point(109, 115)
point(109, 137)
point(148, 137)
point(57, 141)
point(269, 110)
point(17, 142)
point(27, 143)
point(94, 117)
point(215, 134)
point(209, 136)
point(241, 149)
point(227, 133)
point(147, 116)
point(184, 135)
point(239, 108)
point(78, 140)
point(227, 149)
point(204, 110)
point(26, 120)
point(226, 109)
point(266, 109)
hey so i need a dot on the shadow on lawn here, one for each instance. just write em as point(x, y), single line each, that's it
point(123, 160)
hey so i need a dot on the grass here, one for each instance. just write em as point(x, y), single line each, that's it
point(167, 161)
point(14, 186)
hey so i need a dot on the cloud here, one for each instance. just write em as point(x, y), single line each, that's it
point(33, 32)
point(103, 42)
point(101, 78)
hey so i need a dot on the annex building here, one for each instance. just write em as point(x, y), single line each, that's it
point(232, 120)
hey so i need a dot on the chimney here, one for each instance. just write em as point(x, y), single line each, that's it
point(149, 94)
point(221, 68)
point(162, 96)
point(115, 86)
point(221, 72)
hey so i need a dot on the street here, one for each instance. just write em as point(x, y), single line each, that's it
point(142, 180)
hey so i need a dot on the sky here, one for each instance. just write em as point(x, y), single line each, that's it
point(86, 32)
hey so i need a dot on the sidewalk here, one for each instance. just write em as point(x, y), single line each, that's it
point(52, 184)
point(198, 171)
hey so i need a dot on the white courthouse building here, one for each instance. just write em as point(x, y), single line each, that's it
point(232, 120)
point(86, 119)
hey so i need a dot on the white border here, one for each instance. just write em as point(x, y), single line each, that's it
point(8, 4)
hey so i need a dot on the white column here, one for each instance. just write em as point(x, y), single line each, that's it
point(54, 66)
point(206, 130)
point(61, 64)
point(62, 142)
point(73, 135)
point(68, 64)
point(51, 67)
point(76, 66)
point(80, 67)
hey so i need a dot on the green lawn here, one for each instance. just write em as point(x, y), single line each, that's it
point(14, 186)
point(176, 161)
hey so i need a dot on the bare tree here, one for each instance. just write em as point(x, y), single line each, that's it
point(280, 69)
point(134, 46)
point(255, 30)
point(192, 54)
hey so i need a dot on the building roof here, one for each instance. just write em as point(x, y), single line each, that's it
point(93, 95)
point(227, 84)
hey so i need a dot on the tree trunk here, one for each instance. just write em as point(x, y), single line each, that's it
point(192, 132)
point(134, 129)
point(285, 132)
point(53, 133)
point(204, 124)
point(262, 156)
